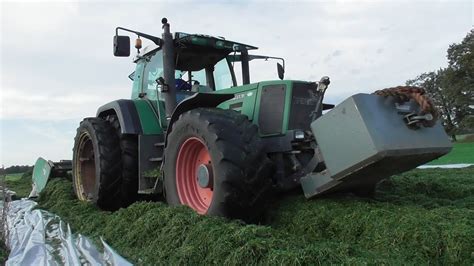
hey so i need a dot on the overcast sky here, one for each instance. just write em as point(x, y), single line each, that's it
point(57, 64)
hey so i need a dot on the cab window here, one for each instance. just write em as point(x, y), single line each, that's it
point(136, 76)
point(153, 70)
point(222, 75)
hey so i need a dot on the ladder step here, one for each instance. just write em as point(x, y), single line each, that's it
point(146, 191)
point(156, 159)
point(159, 144)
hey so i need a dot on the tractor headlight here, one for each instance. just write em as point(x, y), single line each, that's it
point(299, 135)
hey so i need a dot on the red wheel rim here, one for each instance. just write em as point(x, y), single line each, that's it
point(191, 155)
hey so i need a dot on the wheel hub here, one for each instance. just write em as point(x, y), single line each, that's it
point(204, 176)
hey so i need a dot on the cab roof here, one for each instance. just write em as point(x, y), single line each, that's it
point(207, 40)
point(194, 52)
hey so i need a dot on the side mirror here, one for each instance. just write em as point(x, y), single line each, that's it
point(281, 71)
point(121, 46)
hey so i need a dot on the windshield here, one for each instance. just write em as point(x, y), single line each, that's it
point(261, 67)
point(222, 76)
point(154, 69)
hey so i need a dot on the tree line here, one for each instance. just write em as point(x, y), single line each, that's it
point(14, 169)
point(452, 88)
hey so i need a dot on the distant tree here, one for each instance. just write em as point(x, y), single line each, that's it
point(452, 88)
point(432, 83)
point(14, 169)
point(460, 74)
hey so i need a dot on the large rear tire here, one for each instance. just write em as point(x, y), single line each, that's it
point(97, 164)
point(215, 164)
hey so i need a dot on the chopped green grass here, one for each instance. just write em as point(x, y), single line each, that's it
point(420, 217)
point(3, 252)
point(462, 152)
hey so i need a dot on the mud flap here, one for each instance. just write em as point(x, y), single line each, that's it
point(365, 139)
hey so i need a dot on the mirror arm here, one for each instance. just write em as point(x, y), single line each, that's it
point(237, 58)
point(252, 57)
point(156, 40)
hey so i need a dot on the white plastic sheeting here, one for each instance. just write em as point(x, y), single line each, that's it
point(37, 237)
point(449, 166)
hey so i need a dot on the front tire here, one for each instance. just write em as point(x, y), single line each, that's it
point(215, 164)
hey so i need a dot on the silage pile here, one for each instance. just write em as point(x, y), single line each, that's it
point(419, 217)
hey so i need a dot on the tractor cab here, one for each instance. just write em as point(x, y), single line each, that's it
point(215, 57)
point(205, 73)
point(201, 63)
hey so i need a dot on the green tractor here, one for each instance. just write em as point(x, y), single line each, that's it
point(224, 148)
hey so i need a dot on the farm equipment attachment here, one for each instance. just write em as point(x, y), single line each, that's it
point(44, 170)
point(195, 134)
point(370, 137)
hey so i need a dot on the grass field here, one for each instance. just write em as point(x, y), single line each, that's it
point(20, 183)
point(463, 152)
point(13, 177)
point(420, 217)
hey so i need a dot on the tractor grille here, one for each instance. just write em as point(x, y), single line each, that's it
point(303, 104)
point(272, 105)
